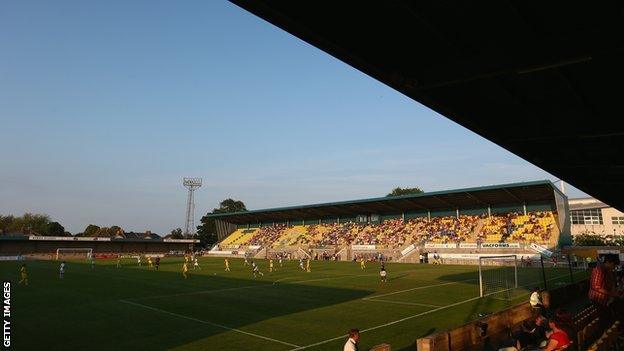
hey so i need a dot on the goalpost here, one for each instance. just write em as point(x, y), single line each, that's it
point(73, 251)
point(500, 276)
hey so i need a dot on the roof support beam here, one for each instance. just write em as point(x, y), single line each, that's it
point(388, 206)
point(412, 202)
point(513, 195)
point(474, 197)
point(360, 208)
point(445, 202)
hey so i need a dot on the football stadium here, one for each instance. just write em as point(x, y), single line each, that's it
point(450, 258)
point(491, 267)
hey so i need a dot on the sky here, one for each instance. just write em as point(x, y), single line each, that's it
point(106, 105)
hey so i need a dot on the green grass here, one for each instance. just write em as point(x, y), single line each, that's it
point(136, 308)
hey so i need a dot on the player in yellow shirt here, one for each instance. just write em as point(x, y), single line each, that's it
point(308, 266)
point(362, 263)
point(185, 270)
point(271, 265)
point(227, 265)
point(149, 262)
point(23, 274)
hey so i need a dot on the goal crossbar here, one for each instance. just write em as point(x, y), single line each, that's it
point(499, 260)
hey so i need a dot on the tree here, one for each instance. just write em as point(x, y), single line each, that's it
point(31, 224)
point(115, 231)
point(398, 191)
point(55, 229)
point(5, 223)
point(91, 230)
point(176, 234)
point(229, 206)
point(207, 231)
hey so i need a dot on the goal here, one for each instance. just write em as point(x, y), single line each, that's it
point(498, 275)
point(73, 253)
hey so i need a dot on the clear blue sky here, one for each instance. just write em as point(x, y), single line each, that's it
point(106, 105)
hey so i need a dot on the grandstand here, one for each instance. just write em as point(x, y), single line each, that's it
point(506, 217)
point(45, 247)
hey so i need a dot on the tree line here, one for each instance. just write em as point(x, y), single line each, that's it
point(31, 224)
point(598, 240)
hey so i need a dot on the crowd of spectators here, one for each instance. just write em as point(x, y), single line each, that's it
point(536, 225)
point(268, 235)
point(514, 226)
point(395, 233)
point(390, 233)
point(451, 229)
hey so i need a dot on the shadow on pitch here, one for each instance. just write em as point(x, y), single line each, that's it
point(165, 310)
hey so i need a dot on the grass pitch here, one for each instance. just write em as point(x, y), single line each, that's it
point(138, 308)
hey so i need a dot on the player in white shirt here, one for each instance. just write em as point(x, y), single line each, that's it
point(256, 270)
point(383, 273)
point(139, 260)
point(280, 260)
point(301, 264)
point(246, 260)
point(196, 264)
point(62, 270)
point(351, 344)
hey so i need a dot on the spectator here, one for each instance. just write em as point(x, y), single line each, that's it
point(567, 323)
point(536, 299)
point(527, 336)
point(602, 289)
point(541, 327)
point(352, 343)
point(558, 338)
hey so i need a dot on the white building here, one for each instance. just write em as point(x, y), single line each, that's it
point(591, 216)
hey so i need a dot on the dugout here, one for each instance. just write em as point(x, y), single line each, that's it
point(522, 197)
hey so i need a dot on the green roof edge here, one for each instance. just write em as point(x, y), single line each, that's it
point(389, 198)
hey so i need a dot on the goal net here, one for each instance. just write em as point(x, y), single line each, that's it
point(73, 253)
point(498, 276)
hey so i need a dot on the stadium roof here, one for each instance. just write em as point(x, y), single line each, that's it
point(539, 78)
point(586, 204)
point(515, 193)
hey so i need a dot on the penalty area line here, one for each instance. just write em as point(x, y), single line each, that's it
point(400, 302)
point(208, 323)
point(420, 288)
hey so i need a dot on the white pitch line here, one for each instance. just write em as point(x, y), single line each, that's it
point(418, 288)
point(389, 323)
point(208, 323)
point(326, 278)
point(401, 302)
point(202, 292)
point(414, 316)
